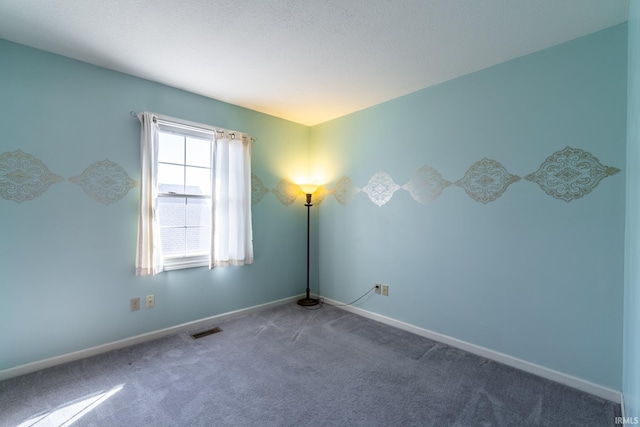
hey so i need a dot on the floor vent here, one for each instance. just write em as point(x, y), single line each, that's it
point(206, 333)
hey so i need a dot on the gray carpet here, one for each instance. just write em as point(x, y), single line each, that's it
point(290, 366)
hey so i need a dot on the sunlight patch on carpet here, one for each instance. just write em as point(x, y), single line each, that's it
point(69, 413)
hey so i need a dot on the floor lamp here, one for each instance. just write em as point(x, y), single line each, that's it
point(308, 190)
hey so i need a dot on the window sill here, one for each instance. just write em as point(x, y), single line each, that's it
point(180, 263)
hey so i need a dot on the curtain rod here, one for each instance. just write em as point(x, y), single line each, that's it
point(222, 131)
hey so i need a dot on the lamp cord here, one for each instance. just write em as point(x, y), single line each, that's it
point(322, 302)
point(354, 301)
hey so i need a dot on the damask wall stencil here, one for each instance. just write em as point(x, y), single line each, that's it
point(570, 173)
point(345, 190)
point(486, 180)
point(105, 181)
point(286, 191)
point(426, 185)
point(24, 177)
point(380, 188)
point(567, 174)
point(319, 195)
point(258, 190)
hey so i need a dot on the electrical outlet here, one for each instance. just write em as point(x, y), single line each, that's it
point(150, 301)
point(134, 304)
point(385, 290)
point(378, 288)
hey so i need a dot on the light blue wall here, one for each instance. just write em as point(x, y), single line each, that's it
point(67, 261)
point(528, 275)
point(631, 367)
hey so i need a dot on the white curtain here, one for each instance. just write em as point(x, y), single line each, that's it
point(232, 237)
point(149, 250)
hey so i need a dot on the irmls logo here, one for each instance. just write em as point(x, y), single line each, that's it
point(626, 420)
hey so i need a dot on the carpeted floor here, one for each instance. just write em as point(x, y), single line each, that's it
point(290, 366)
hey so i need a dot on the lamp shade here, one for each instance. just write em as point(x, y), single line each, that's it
point(309, 188)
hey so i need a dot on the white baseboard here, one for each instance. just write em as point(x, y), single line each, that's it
point(81, 354)
point(541, 371)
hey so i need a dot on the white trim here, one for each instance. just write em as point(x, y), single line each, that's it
point(541, 371)
point(532, 368)
point(81, 354)
point(178, 263)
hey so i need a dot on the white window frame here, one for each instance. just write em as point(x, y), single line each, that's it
point(231, 218)
point(186, 128)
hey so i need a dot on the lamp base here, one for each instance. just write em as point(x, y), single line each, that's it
point(307, 302)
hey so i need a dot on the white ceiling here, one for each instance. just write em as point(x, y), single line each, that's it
point(303, 60)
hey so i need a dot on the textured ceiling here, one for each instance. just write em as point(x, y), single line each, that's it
point(303, 60)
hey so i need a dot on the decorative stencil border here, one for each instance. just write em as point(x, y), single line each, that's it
point(380, 188)
point(426, 185)
point(105, 182)
point(24, 177)
point(345, 190)
point(567, 175)
point(486, 180)
point(570, 173)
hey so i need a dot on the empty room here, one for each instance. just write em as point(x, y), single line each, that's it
point(305, 213)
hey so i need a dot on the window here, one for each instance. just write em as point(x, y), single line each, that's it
point(195, 196)
point(185, 174)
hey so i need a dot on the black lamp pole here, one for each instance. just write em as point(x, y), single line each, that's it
point(308, 301)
